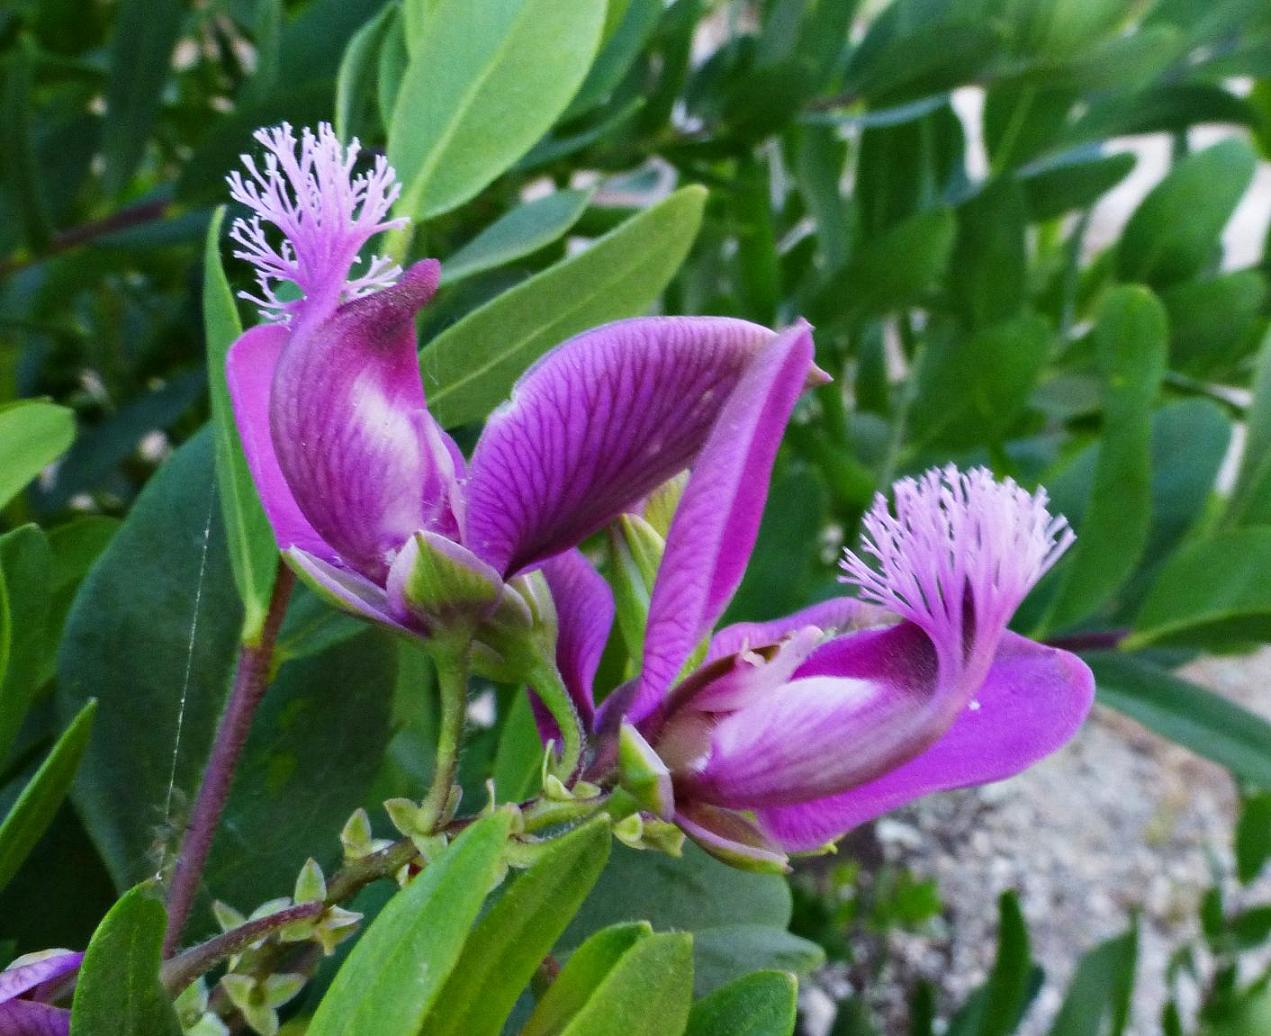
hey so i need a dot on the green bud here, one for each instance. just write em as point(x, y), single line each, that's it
point(448, 588)
point(643, 774)
point(311, 885)
point(663, 502)
point(664, 837)
point(251, 998)
point(635, 552)
point(357, 837)
point(630, 830)
point(226, 916)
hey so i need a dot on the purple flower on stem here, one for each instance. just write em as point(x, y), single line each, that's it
point(26, 987)
point(791, 733)
point(371, 501)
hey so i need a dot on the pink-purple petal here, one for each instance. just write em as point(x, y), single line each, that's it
point(249, 372)
point(361, 454)
point(596, 425)
point(347, 591)
point(715, 525)
point(26, 977)
point(27, 1018)
point(836, 615)
point(584, 617)
point(1032, 703)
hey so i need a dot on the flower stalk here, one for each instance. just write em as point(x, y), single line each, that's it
point(452, 686)
point(251, 680)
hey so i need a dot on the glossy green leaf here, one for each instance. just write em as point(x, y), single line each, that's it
point(971, 388)
point(1211, 591)
point(152, 635)
point(647, 993)
point(398, 968)
point(27, 820)
point(25, 568)
point(1098, 998)
point(471, 367)
point(1175, 230)
point(32, 434)
point(1130, 345)
point(252, 552)
point(761, 1004)
point(1206, 723)
point(356, 96)
point(517, 932)
point(140, 61)
point(118, 992)
point(516, 234)
point(696, 893)
point(581, 977)
point(485, 83)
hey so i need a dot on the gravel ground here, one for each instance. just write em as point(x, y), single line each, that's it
point(1119, 821)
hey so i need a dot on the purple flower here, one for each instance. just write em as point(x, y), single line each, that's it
point(26, 987)
point(790, 733)
point(369, 498)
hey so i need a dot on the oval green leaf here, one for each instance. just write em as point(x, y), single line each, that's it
point(525, 229)
point(582, 975)
point(32, 434)
point(760, 1004)
point(649, 992)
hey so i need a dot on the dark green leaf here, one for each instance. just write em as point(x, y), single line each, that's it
point(486, 82)
point(986, 275)
point(520, 753)
point(582, 975)
point(1197, 719)
point(391, 65)
point(724, 952)
point(398, 968)
point(971, 388)
point(31, 815)
point(1250, 502)
point(32, 434)
point(470, 367)
point(1213, 323)
point(515, 935)
point(22, 166)
point(647, 993)
point(141, 58)
point(252, 551)
point(356, 98)
point(617, 54)
point(25, 571)
point(762, 1004)
point(516, 234)
point(1058, 187)
point(1007, 992)
point(118, 992)
point(1175, 231)
point(1253, 836)
point(1130, 345)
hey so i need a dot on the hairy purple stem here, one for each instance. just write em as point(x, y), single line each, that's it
point(250, 683)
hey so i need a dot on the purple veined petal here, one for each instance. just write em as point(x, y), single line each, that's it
point(26, 974)
point(594, 426)
point(715, 525)
point(364, 459)
point(1032, 703)
point(731, 837)
point(584, 617)
point(750, 674)
point(249, 371)
point(833, 616)
point(27, 1018)
point(347, 591)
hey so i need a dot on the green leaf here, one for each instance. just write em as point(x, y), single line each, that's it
point(695, 893)
point(252, 552)
point(971, 388)
point(649, 992)
point(1206, 723)
point(1007, 990)
point(485, 83)
point(31, 815)
point(471, 367)
point(1100, 990)
point(391, 65)
point(140, 61)
point(581, 977)
point(516, 234)
point(1175, 231)
point(25, 565)
point(75, 547)
point(894, 270)
point(761, 1004)
point(22, 167)
point(1253, 836)
point(1214, 322)
point(1058, 187)
point(519, 757)
point(617, 54)
point(1130, 346)
point(356, 98)
point(987, 272)
point(399, 966)
point(1210, 592)
point(152, 635)
point(1250, 502)
point(724, 952)
point(514, 936)
point(32, 434)
point(118, 992)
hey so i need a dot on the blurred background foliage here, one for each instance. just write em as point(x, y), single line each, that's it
point(919, 178)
